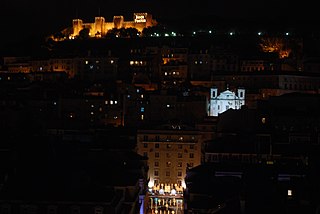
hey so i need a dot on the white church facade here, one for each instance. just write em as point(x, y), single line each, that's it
point(225, 100)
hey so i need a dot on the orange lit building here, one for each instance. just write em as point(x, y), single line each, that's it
point(171, 150)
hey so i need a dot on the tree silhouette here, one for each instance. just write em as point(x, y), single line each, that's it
point(84, 33)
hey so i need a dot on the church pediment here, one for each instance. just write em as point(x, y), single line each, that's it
point(229, 95)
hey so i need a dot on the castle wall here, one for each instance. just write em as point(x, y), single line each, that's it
point(77, 26)
point(100, 27)
point(108, 26)
point(132, 24)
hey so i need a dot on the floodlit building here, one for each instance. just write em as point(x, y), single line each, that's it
point(171, 150)
point(225, 100)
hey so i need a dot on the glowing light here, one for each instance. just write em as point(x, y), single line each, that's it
point(150, 184)
point(183, 184)
point(161, 191)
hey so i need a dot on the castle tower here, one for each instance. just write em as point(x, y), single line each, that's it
point(118, 21)
point(99, 26)
point(77, 26)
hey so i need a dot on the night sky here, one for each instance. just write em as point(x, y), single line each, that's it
point(57, 14)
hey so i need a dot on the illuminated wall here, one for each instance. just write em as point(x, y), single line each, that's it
point(100, 27)
point(169, 154)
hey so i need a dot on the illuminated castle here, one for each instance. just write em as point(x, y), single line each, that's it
point(100, 27)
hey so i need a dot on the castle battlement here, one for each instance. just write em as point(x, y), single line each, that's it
point(101, 27)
